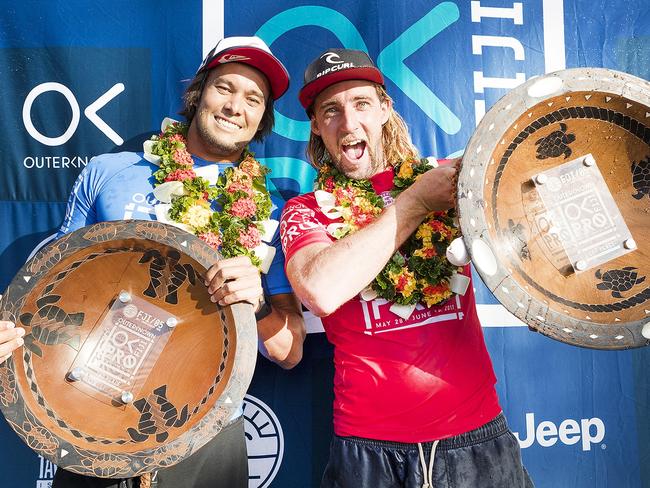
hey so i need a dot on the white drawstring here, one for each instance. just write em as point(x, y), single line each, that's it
point(428, 476)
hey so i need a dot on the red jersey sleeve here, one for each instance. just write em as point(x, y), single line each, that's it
point(301, 224)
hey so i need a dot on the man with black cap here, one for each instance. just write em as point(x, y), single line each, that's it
point(415, 403)
point(227, 104)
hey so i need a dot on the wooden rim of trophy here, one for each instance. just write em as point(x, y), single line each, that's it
point(553, 200)
point(127, 366)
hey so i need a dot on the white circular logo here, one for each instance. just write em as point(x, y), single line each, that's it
point(130, 311)
point(264, 442)
point(332, 58)
point(27, 113)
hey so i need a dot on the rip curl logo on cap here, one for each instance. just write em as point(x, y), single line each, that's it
point(231, 58)
point(332, 58)
point(336, 67)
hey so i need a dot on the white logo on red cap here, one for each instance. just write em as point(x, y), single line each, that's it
point(231, 58)
point(332, 58)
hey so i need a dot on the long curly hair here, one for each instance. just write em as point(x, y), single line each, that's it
point(395, 138)
point(192, 97)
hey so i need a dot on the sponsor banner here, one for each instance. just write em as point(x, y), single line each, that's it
point(67, 111)
point(70, 92)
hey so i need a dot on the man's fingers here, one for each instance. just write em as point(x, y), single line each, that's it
point(5, 324)
point(223, 275)
point(250, 295)
point(234, 280)
point(227, 269)
point(11, 333)
point(242, 289)
point(10, 338)
point(232, 274)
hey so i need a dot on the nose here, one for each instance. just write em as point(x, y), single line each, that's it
point(233, 104)
point(350, 121)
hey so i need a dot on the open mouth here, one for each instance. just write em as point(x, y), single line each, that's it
point(226, 124)
point(353, 149)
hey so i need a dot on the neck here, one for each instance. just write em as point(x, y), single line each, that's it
point(197, 146)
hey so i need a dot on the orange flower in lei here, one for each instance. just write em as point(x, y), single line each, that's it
point(419, 270)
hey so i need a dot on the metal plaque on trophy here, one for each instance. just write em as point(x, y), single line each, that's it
point(127, 366)
point(554, 206)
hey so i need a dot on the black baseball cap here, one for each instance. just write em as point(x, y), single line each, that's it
point(334, 66)
point(254, 52)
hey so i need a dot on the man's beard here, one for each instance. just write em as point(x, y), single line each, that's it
point(217, 145)
point(377, 163)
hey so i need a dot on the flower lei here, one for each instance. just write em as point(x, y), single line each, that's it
point(239, 228)
point(419, 271)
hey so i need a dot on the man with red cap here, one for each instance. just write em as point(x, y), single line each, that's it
point(415, 403)
point(228, 104)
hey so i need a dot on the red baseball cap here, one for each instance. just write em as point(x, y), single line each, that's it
point(334, 66)
point(254, 52)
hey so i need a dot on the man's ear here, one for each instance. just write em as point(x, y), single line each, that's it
point(386, 106)
point(314, 126)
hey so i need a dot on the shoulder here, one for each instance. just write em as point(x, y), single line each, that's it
point(308, 200)
point(114, 162)
point(302, 208)
point(122, 168)
point(302, 222)
point(106, 166)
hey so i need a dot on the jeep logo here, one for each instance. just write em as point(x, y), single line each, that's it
point(569, 432)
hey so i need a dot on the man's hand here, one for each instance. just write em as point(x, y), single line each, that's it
point(11, 337)
point(234, 280)
point(436, 189)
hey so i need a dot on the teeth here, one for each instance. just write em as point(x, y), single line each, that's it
point(353, 143)
point(227, 124)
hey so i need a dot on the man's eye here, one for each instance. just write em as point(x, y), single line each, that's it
point(363, 105)
point(223, 89)
point(254, 100)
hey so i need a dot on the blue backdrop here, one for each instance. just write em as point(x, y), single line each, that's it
point(79, 78)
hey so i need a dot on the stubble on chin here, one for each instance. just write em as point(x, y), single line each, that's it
point(216, 144)
point(376, 164)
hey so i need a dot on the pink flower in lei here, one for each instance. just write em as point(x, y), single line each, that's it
point(243, 208)
point(211, 239)
point(180, 175)
point(177, 138)
point(239, 186)
point(250, 238)
point(182, 157)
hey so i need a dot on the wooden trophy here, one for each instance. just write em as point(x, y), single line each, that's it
point(554, 206)
point(127, 366)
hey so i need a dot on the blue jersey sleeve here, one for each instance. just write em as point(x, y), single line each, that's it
point(104, 189)
point(275, 281)
point(80, 211)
